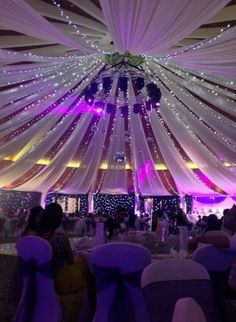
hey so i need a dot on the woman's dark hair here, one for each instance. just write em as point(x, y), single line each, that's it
point(51, 218)
point(213, 223)
point(34, 218)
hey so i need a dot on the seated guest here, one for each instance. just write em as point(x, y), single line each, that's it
point(213, 223)
point(227, 242)
point(220, 279)
point(71, 277)
point(223, 241)
point(32, 227)
point(225, 224)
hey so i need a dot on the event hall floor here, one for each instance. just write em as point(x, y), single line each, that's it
point(6, 269)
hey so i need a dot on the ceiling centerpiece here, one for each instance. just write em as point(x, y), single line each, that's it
point(123, 84)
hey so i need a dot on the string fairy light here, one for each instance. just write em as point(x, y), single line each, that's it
point(71, 82)
point(194, 75)
point(78, 31)
point(54, 128)
point(110, 203)
point(17, 55)
point(14, 200)
point(199, 118)
point(179, 119)
point(154, 149)
point(198, 45)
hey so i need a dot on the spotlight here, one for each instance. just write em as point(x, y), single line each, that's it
point(137, 108)
point(99, 107)
point(123, 83)
point(89, 98)
point(90, 101)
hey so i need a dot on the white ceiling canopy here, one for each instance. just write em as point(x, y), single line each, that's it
point(52, 138)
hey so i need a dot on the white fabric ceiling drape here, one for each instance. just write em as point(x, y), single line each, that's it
point(29, 22)
point(37, 99)
point(141, 27)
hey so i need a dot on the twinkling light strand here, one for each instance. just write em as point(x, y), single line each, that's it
point(198, 45)
point(76, 27)
point(51, 131)
point(177, 146)
point(198, 118)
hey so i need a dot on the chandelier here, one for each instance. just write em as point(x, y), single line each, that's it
point(123, 84)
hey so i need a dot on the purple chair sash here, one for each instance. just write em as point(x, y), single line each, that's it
point(29, 269)
point(121, 308)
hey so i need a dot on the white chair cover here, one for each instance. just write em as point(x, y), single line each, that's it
point(35, 255)
point(165, 281)
point(188, 310)
point(218, 263)
point(118, 265)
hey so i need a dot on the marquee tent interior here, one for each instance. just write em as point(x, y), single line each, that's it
point(53, 138)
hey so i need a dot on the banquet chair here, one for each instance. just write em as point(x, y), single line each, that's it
point(165, 281)
point(117, 268)
point(214, 259)
point(218, 263)
point(216, 233)
point(186, 310)
point(38, 301)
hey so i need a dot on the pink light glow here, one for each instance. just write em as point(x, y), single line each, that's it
point(144, 171)
point(99, 110)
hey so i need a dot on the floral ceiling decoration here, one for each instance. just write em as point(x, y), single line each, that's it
point(117, 97)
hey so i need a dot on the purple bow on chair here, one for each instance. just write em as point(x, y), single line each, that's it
point(121, 308)
point(29, 269)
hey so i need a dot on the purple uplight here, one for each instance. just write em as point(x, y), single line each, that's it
point(99, 107)
point(145, 170)
point(99, 110)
